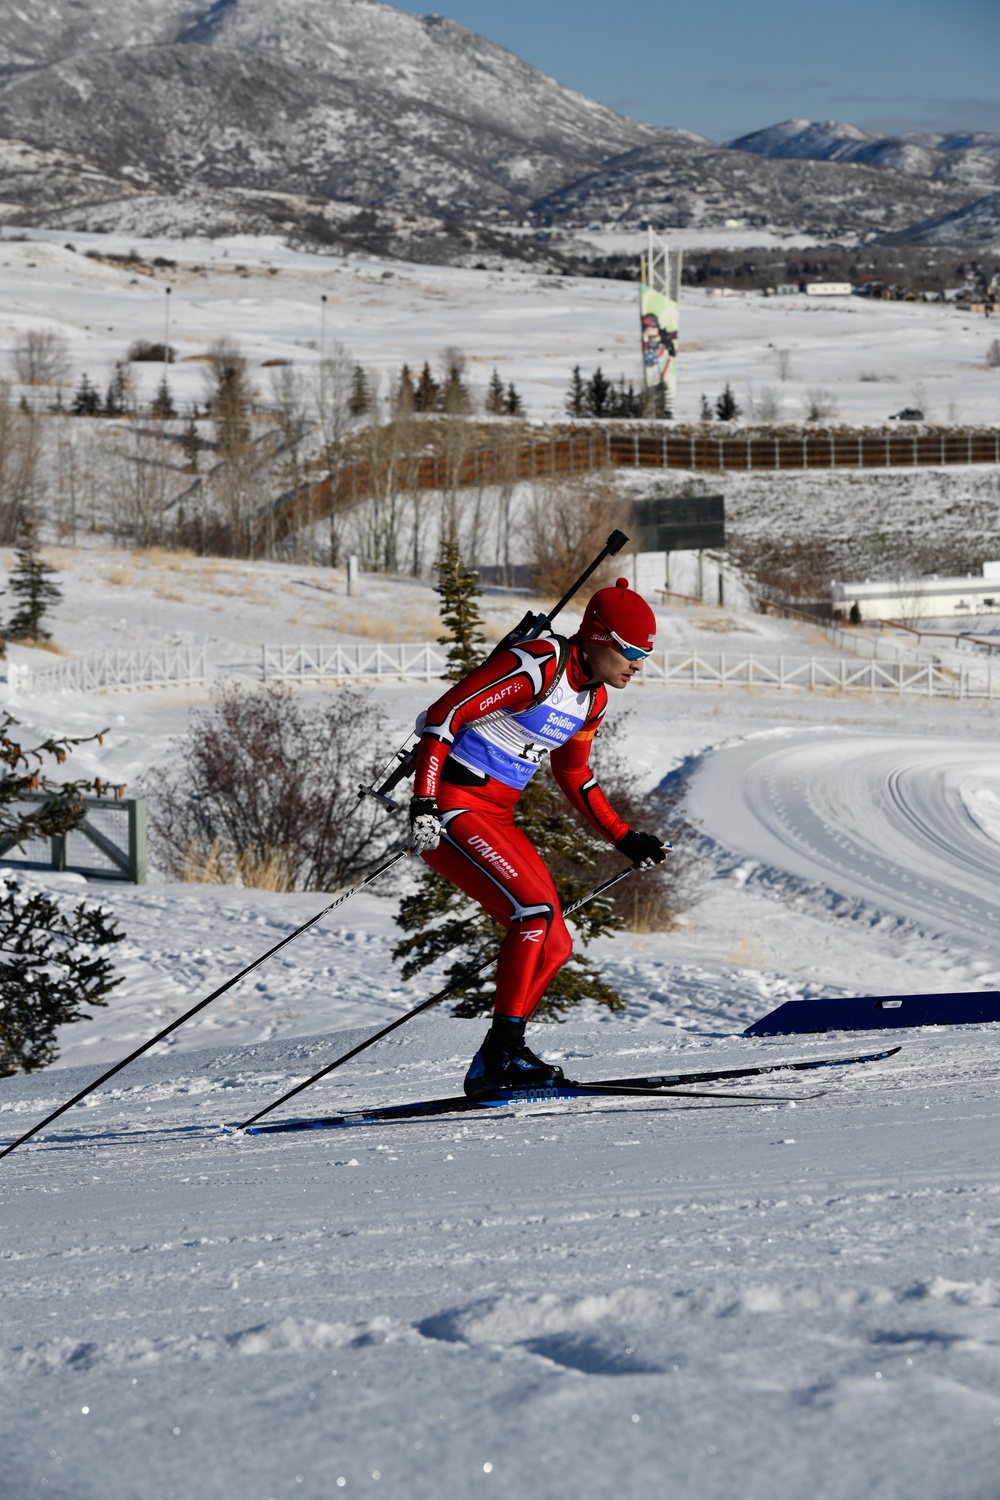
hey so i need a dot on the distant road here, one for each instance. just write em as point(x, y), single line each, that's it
point(909, 823)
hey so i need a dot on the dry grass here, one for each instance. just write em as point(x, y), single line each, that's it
point(415, 624)
point(745, 950)
point(51, 646)
point(165, 556)
point(719, 624)
point(647, 909)
point(212, 866)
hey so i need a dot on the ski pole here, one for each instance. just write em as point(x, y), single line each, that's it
point(386, 865)
point(449, 989)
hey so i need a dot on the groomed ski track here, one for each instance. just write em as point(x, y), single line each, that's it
point(791, 1301)
point(647, 1293)
point(678, 1085)
point(908, 825)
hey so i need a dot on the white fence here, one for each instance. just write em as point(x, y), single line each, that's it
point(925, 679)
point(187, 666)
point(356, 662)
point(425, 663)
point(105, 671)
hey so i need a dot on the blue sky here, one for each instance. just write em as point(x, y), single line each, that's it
point(732, 66)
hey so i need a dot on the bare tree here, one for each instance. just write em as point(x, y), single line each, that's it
point(228, 396)
point(783, 360)
point(912, 604)
point(290, 403)
point(331, 394)
point(378, 521)
point(819, 405)
point(506, 446)
point(80, 459)
point(567, 523)
point(261, 789)
point(455, 438)
point(41, 357)
point(140, 483)
point(769, 406)
point(21, 464)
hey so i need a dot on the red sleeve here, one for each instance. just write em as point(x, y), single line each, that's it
point(509, 679)
point(571, 769)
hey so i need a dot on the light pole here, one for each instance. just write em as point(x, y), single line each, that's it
point(165, 389)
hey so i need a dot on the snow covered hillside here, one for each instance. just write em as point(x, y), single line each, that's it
point(684, 1297)
point(864, 360)
point(293, 114)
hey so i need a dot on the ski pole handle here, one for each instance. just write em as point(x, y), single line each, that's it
point(611, 548)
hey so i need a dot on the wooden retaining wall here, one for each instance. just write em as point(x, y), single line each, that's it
point(604, 447)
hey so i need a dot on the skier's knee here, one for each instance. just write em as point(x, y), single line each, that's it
point(560, 943)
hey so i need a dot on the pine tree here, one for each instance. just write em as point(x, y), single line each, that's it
point(405, 399)
point(191, 442)
point(623, 401)
point(727, 408)
point(597, 394)
point(455, 398)
point(428, 392)
point(49, 963)
point(496, 396)
point(513, 406)
point(163, 408)
point(576, 396)
point(360, 399)
point(86, 400)
point(116, 399)
point(460, 615)
point(31, 582)
point(230, 398)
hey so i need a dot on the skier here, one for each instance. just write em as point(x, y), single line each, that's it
point(480, 744)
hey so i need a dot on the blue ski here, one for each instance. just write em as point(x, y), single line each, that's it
point(650, 1086)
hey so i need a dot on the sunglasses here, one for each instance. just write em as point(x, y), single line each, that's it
point(630, 653)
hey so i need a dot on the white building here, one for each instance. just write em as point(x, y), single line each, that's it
point(910, 600)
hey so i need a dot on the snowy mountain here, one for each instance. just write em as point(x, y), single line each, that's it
point(243, 115)
point(671, 184)
point(972, 157)
point(355, 101)
point(978, 224)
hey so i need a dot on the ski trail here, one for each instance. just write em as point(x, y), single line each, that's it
point(910, 824)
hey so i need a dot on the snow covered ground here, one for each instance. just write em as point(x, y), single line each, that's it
point(869, 358)
point(690, 1298)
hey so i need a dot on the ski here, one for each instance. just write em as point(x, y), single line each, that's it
point(461, 1104)
point(660, 1085)
point(717, 1075)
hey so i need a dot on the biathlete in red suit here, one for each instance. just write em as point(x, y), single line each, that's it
point(479, 747)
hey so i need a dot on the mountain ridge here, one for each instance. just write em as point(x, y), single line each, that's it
point(314, 112)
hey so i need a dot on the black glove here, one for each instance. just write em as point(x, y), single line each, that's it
point(643, 849)
point(425, 825)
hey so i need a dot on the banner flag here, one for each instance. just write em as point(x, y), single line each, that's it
point(659, 334)
point(659, 311)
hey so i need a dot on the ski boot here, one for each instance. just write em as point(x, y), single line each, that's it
point(505, 1061)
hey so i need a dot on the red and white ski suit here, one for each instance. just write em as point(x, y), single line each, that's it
point(480, 744)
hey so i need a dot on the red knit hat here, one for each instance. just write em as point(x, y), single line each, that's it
point(619, 617)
